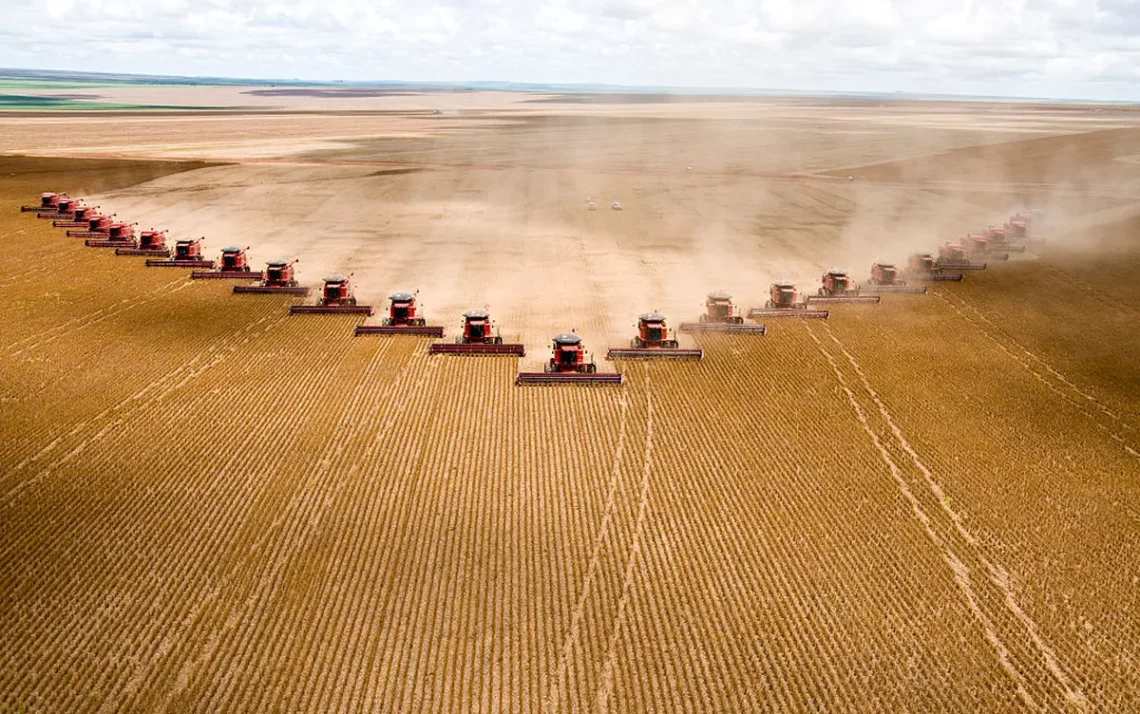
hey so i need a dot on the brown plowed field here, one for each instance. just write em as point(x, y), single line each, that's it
point(929, 505)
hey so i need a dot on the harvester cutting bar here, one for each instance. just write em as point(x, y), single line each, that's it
point(915, 289)
point(1017, 248)
point(858, 299)
point(653, 353)
point(999, 256)
point(476, 348)
point(722, 327)
point(67, 216)
point(70, 222)
point(88, 234)
point(158, 252)
point(227, 274)
point(279, 289)
point(937, 277)
point(961, 266)
point(38, 209)
point(568, 378)
point(102, 243)
point(788, 312)
point(420, 330)
point(174, 263)
point(331, 309)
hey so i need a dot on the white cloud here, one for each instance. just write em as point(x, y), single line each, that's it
point(1059, 48)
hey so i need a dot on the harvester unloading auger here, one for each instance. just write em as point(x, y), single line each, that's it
point(234, 266)
point(955, 256)
point(568, 365)
point(721, 315)
point(478, 338)
point(336, 298)
point(80, 217)
point(923, 266)
point(119, 235)
point(783, 301)
point(49, 203)
point(150, 243)
point(277, 278)
point(885, 278)
point(96, 227)
point(837, 287)
point(653, 342)
point(187, 254)
point(402, 320)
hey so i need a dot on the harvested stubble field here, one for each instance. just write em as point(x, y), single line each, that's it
point(929, 505)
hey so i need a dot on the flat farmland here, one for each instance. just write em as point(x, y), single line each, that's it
point(932, 504)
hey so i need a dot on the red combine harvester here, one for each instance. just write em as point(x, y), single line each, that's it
point(1001, 239)
point(187, 254)
point(151, 243)
point(653, 342)
point(97, 226)
point(336, 297)
point(956, 257)
point(987, 244)
point(568, 365)
point(119, 235)
point(402, 320)
point(234, 266)
point(277, 278)
point(477, 339)
point(836, 286)
point(783, 302)
point(721, 316)
point(64, 210)
point(49, 203)
point(923, 266)
point(80, 217)
point(885, 278)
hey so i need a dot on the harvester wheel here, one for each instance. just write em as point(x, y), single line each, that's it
point(591, 368)
point(738, 320)
point(704, 318)
point(769, 304)
point(352, 301)
point(548, 367)
point(497, 341)
point(670, 344)
point(822, 291)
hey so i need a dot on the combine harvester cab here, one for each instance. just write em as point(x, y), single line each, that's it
point(119, 235)
point(923, 266)
point(277, 278)
point(402, 319)
point(49, 203)
point(885, 278)
point(837, 287)
point(336, 298)
point(653, 342)
point(568, 365)
point(80, 217)
point(234, 266)
point(151, 243)
point(187, 254)
point(477, 339)
point(783, 301)
point(721, 315)
point(955, 256)
point(97, 227)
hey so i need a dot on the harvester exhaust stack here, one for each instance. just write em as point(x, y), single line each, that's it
point(477, 339)
point(653, 342)
point(402, 320)
point(568, 365)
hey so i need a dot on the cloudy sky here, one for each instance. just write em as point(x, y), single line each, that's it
point(1038, 48)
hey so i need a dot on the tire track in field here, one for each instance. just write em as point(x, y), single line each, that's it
point(95, 317)
point(97, 428)
point(959, 569)
point(1047, 371)
point(601, 701)
point(600, 538)
point(997, 574)
point(1088, 289)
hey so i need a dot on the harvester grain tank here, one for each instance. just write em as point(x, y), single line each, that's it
point(924, 266)
point(721, 315)
point(653, 341)
point(568, 364)
point(955, 256)
point(97, 227)
point(119, 235)
point(478, 338)
point(837, 286)
point(403, 319)
point(151, 243)
point(233, 266)
point(277, 278)
point(49, 203)
point(783, 301)
point(187, 254)
point(886, 278)
point(336, 298)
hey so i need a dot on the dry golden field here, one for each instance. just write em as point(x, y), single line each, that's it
point(931, 505)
